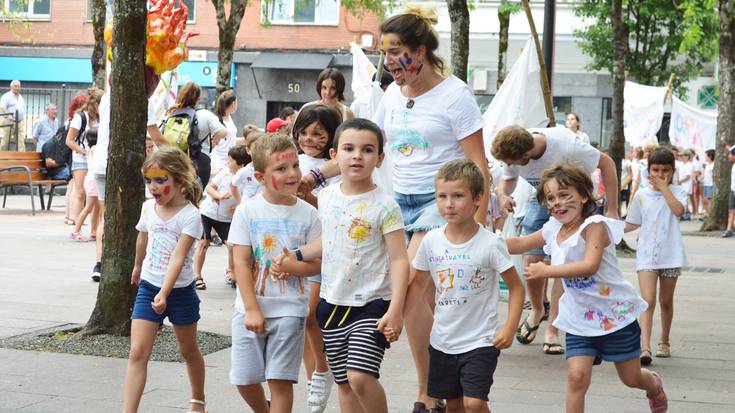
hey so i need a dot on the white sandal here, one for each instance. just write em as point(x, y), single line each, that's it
point(199, 402)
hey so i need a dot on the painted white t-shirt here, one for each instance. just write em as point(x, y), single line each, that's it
point(709, 169)
point(307, 163)
point(602, 303)
point(643, 173)
point(219, 152)
point(99, 166)
point(76, 123)
point(222, 210)
point(466, 280)
point(561, 146)
point(659, 241)
point(421, 139)
point(244, 180)
point(355, 260)
point(162, 239)
point(268, 228)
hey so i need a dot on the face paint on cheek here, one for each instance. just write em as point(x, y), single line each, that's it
point(166, 190)
point(403, 64)
point(273, 182)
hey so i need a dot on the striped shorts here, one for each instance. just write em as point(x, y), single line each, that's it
point(351, 340)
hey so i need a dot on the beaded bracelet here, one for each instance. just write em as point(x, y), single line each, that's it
point(318, 177)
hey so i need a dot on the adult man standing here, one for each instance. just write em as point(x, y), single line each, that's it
point(45, 127)
point(14, 108)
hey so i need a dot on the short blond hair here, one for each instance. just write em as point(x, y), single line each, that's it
point(266, 146)
point(463, 170)
point(511, 143)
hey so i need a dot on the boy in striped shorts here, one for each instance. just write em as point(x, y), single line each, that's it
point(364, 269)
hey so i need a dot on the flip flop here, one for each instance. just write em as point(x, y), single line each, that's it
point(646, 357)
point(200, 284)
point(523, 338)
point(553, 348)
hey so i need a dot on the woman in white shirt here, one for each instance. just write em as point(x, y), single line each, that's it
point(574, 124)
point(226, 105)
point(707, 181)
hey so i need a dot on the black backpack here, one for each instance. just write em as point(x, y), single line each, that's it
point(61, 153)
point(181, 130)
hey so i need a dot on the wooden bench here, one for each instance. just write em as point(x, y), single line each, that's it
point(26, 169)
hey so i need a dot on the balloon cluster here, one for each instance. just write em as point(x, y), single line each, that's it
point(166, 39)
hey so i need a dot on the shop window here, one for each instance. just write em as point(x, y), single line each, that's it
point(318, 12)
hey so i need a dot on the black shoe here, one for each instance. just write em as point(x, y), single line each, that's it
point(96, 272)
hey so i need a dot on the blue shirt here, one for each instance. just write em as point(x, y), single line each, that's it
point(9, 102)
point(44, 130)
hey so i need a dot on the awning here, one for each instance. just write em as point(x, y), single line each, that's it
point(308, 61)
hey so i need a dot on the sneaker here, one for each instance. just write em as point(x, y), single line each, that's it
point(728, 234)
point(419, 407)
point(658, 403)
point(96, 272)
point(77, 237)
point(319, 390)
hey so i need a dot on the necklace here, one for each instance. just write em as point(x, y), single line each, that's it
point(410, 103)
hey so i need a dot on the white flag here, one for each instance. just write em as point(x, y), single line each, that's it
point(520, 100)
point(165, 94)
point(643, 112)
point(362, 71)
point(691, 127)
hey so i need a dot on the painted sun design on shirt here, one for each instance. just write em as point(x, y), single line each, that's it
point(359, 230)
point(269, 243)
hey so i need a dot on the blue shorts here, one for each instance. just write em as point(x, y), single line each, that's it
point(622, 345)
point(731, 201)
point(536, 216)
point(182, 305)
point(315, 279)
point(708, 191)
point(420, 213)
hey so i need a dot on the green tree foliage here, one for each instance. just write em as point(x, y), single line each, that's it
point(659, 43)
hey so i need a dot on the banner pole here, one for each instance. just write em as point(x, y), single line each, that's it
point(544, 80)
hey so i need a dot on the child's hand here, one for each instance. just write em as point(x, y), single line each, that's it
point(506, 203)
point(159, 303)
point(535, 270)
point(504, 338)
point(255, 322)
point(657, 183)
point(390, 325)
point(135, 279)
point(282, 263)
point(232, 209)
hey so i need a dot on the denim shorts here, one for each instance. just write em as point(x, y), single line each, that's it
point(536, 216)
point(622, 345)
point(78, 165)
point(708, 191)
point(182, 305)
point(315, 279)
point(420, 213)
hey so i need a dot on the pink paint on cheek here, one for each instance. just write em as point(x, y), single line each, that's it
point(273, 181)
point(166, 190)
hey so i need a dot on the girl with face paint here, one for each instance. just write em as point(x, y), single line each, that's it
point(169, 224)
point(599, 308)
point(429, 117)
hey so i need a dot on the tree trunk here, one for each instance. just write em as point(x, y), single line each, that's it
point(125, 195)
point(504, 19)
point(99, 10)
point(459, 15)
point(620, 49)
point(717, 218)
point(228, 29)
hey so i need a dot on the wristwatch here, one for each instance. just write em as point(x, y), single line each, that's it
point(299, 255)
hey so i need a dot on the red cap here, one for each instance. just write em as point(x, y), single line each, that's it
point(274, 124)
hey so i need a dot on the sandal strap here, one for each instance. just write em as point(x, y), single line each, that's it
point(197, 401)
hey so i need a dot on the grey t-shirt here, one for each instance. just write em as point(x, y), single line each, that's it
point(208, 123)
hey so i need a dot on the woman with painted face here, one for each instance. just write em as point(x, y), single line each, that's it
point(429, 117)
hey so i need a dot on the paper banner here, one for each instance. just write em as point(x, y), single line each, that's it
point(165, 94)
point(691, 127)
point(519, 100)
point(643, 112)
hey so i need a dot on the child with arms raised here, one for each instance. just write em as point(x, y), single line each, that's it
point(656, 210)
point(464, 259)
point(598, 309)
point(268, 321)
point(364, 271)
point(169, 224)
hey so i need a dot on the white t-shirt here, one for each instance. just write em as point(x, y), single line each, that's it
point(659, 241)
point(732, 178)
point(561, 146)
point(208, 124)
point(686, 170)
point(222, 210)
point(244, 180)
point(602, 303)
point(421, 139)
point(625, 166)
point(267, 228)
point(355, 260)
point(219, 152)
point(99, 167)
point(466, 280)
point(76, 123)
point(643, 171)
point(162, 239)
point(307, 163)
point(709, 169)
point(582, 136)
